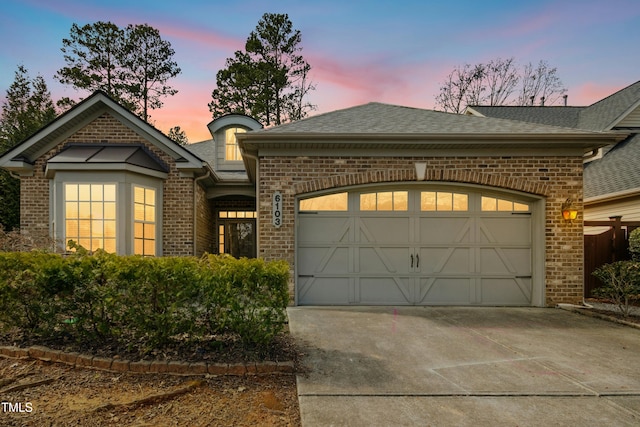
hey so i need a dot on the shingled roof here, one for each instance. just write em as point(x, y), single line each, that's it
point(555, 116)
point(616, 172)
point(604, 114)
point(379, 118)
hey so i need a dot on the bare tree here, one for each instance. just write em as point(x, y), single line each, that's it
point(499, 82)
point(501, 76)
point(540, 83)
point(463, 87)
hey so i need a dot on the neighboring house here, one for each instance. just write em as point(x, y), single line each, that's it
point(375, 204)
point(612, 174)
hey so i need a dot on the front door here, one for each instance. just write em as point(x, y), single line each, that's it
point(240, 238)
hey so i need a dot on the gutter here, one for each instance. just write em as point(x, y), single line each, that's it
point(612, 196)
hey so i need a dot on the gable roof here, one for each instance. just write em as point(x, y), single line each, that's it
point(21, 157)
point(606, 113)
point(378, 118)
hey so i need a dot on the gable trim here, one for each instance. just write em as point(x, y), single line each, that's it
point(18, 159)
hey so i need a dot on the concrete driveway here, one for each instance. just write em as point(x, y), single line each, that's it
point(465, 366)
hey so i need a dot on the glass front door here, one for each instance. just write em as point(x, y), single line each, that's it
point(240, 238)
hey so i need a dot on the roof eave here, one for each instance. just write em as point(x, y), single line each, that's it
point(610, 197)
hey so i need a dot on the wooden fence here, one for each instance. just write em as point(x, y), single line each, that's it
point(604, 248)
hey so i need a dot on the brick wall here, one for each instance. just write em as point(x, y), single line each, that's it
point(555, 178)
point(206, 236)
point(177, 220)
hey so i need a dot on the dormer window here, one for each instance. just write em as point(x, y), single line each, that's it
point(232, 151)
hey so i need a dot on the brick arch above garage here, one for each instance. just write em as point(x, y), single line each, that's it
point(374, 176)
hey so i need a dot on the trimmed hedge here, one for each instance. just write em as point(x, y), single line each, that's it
point(147, 301)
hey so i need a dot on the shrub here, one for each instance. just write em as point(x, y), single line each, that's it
point(30, 290)
point(634, 244)
point(247, 297)
point(143, 302)
point(621, 283)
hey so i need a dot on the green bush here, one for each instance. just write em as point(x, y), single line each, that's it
point(249, 297)
point(634, 244)
point(621, 283)
point(146, 302)
point(31, 290)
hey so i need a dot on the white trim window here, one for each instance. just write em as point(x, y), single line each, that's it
point(144, 221)
point(231, 148)
point(90, 216)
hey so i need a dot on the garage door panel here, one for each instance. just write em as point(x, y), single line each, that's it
point(383, 260)
point(385, 290)
point(331, 260)
point(317, 229)
point(505, 291)
point(516, 261)
point(383, 230)
point(511, 230)
point(444, 230)
point(447, 290)
point(445, 260)
point(323, 290)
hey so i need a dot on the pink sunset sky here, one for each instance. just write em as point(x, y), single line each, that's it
point(360, 51)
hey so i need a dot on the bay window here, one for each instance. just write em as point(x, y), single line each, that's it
point(90, 215)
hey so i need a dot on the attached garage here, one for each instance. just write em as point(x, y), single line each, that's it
point(415, 245)
point(388, 205)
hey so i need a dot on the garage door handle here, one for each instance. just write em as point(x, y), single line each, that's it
point(523, 277)
point(417, 260)
point(411, 260)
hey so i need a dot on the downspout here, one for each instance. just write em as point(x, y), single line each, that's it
point(195, 209)
point(255, 157)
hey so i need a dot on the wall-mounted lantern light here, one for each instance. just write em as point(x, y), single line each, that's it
point(569, 212)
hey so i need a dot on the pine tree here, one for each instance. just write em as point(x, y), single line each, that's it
point(270, 79)
point(27, 108)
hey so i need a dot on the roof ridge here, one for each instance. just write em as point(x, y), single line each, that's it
point(615, 93)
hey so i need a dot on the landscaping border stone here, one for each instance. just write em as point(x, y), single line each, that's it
point(115, 364)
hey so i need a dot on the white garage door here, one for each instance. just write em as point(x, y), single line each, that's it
point(420, 246)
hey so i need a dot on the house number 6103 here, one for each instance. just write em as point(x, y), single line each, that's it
point(277, 209)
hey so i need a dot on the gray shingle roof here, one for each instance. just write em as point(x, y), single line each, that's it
point(604, 113)
point(555, 116)
point(206, 150)
point(596, 117)
point(617, 171)
point(377, 118)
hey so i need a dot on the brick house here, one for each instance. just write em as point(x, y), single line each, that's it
point(375, 204)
